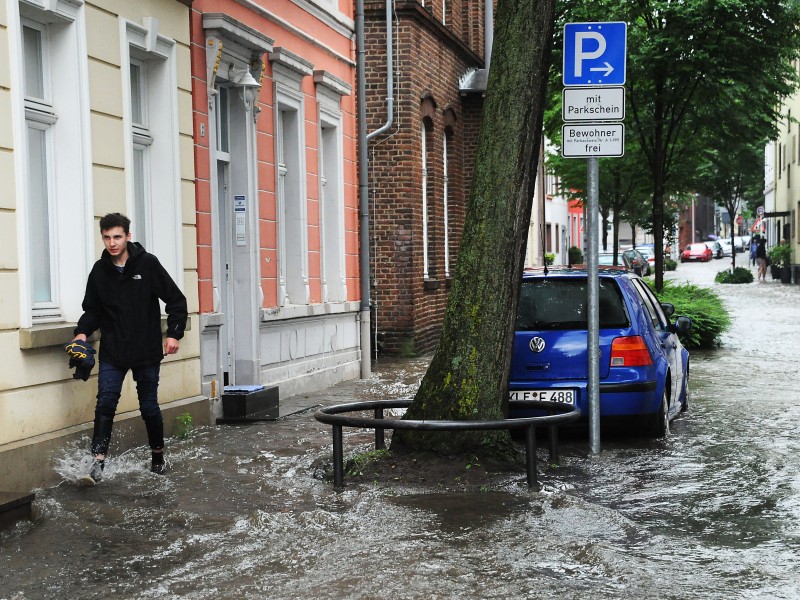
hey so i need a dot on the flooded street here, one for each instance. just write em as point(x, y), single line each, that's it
point(712, 511)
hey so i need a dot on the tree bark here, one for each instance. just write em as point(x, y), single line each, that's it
point(468, 375)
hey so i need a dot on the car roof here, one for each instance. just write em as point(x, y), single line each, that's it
point(618, 272)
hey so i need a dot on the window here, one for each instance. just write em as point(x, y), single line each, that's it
point(330, 90)
point(425, 228)
point(152, 165)
point(293, 244)
point(142, 140)
point(52, 158)
point(445, 195)
point(39, 118)
point(288, 71)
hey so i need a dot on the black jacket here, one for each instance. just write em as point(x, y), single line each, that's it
point(124, 307)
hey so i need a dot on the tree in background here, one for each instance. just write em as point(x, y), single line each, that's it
point(468, 375)
point(688, 63)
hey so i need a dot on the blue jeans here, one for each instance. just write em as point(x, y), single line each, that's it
point(109, 388)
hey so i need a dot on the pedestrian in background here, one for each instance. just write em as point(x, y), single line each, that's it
point(121, 300)
point(753, 247)
point(761, 258)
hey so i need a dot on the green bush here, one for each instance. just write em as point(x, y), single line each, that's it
point(575, 256)
point(549, 258)
point(781, 255)
point(670, 265)
point(739, 275)
point(709, 315)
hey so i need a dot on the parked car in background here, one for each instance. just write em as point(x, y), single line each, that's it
point(727, 247)
point(715, 247)
point(742, 243)
point(649, 253)
point(630, 259)
point(696, 252)
point(606, 259)
point(644, 367)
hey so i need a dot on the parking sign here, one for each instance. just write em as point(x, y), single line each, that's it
point(595, 53)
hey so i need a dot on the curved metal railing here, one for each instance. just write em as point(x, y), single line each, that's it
point(334, 416)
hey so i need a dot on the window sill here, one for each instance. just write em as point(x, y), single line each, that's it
point(57, 334)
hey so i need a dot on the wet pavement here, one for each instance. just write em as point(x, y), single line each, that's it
point(712, 511)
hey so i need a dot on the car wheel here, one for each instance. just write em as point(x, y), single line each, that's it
point(659, 425)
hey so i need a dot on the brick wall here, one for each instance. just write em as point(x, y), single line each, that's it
point(430, 58)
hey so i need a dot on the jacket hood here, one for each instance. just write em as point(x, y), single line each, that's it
point(135, 250)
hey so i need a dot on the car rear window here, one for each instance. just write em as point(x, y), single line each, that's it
point(549, 303)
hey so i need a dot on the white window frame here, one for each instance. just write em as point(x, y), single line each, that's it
point(446, 215)
point(332, 230)
point(67, 160)
point(292, 220)
point(158, 186)
point(424, 147)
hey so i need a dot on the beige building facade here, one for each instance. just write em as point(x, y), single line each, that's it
point(95, 117)
point(782, 184)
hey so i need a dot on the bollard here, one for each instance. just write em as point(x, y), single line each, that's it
point(380, 443)
point(554, 444)
point(338, 466)
point(530, 454)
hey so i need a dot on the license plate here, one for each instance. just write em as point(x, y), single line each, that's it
point(554, 396)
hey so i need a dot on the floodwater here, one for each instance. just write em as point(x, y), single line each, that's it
point(712, 511)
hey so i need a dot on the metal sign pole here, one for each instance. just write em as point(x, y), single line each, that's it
point(593, 342)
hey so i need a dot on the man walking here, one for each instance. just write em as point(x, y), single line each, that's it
point(121, 300)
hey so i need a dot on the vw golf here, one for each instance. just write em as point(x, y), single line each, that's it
point(644, 368)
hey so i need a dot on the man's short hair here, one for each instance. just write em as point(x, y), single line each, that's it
point(112, 220)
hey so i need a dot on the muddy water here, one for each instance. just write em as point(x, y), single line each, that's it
point(713, 511)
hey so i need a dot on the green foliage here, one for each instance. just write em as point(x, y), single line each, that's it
point(355, 464)
point(670, 265)
point(575, 255)
point(705, 87)
point(183, 426)
point(549, 258)
point(709, 315)
point(739, 275)
point(781, 255)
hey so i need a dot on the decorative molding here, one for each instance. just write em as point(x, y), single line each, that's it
point(226, 27)
point(333, 83)
point(291, 61)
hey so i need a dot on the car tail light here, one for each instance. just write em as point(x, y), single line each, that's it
point(630, 351)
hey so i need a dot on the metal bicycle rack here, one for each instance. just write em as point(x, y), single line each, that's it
point(334, 416)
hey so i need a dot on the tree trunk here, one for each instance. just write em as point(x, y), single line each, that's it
point(468, 375)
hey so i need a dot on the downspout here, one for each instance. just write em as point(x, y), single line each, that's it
point(389, 74)
point(363, 170)
point(363, 199)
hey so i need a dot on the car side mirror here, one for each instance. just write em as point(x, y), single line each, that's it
point(669, 309)
point(681, 325)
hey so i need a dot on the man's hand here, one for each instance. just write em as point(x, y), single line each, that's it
point(80, 336)
point(171, 346)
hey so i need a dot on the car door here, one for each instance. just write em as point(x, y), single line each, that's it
point(668, 340)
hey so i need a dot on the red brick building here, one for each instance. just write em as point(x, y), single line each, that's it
point(420, 167)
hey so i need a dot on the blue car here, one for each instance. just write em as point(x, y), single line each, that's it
point(644, 368)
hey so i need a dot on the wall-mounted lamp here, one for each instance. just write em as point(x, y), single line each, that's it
point(242, 78)
point(248, 87)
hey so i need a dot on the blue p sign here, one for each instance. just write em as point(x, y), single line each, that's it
point(595, 53)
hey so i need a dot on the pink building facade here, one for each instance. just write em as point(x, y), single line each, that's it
point(276, 186)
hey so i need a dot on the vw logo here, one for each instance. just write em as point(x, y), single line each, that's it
point(537, 344)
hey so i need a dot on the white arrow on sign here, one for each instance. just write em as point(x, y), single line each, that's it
point(608, 69)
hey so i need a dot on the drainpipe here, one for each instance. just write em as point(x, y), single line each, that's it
point(363, 170)
point(389, 74)
point(363, 197)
